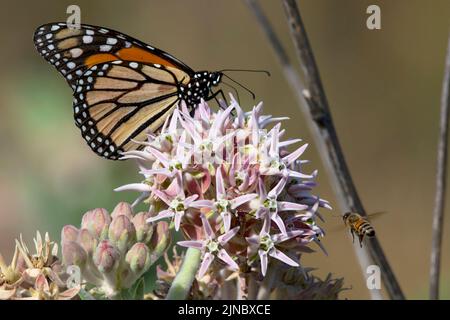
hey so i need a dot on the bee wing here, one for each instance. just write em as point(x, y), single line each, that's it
point(373, 215)
point(337, 228)
point(370, 216)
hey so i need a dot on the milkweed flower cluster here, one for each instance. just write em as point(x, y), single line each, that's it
point(229, 185)
point(37, 275)
point(113, 251)
point(288, 283)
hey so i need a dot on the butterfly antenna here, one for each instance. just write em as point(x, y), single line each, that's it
point(235, 90)
point(247, 70)
point(241, 85)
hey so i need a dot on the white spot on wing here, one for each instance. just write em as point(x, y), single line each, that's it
point(111, 41)
point(76, 52)
point(105, 47)
point(87, 39)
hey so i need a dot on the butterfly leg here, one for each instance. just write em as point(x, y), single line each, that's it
point(223, 107)
point(214, 96)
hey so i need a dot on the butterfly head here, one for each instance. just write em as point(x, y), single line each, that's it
point(207, 78)
point(199, 87)
point(215, 77)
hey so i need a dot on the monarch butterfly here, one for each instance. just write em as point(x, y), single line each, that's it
point(122, 87)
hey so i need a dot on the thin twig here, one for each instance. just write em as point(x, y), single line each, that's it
point(320, 113)
point(313, 103)
point(441, 173)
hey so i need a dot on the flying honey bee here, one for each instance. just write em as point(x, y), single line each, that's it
point(359, 225)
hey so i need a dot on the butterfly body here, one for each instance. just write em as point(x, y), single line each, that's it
point(123, 89)
point(199, 87)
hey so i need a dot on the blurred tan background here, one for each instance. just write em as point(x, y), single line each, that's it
point(383, 87)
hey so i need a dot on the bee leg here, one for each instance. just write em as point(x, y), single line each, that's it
point(353, 235)
point(361, 238)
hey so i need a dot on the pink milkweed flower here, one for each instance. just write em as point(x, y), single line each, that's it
point(270, 206)
point(222, 205)
point(273, 164)
point(266, 245)
point(176, 199)
point(212, 246)
point(243, 175)
point(170, 165)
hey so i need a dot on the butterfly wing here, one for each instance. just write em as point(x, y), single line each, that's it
point(123, 88)
point(117, 103)
point(73, 51)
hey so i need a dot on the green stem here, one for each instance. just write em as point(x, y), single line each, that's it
point(185, 277)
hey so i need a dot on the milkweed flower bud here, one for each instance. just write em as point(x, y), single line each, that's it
point(122, 208)
point(97, 222)
point(106, 257)
point(114, 251)
point(138, 258)
point(144, 230)
point(87, 241)
point(160, 240)
point(73, 254)
point(122, 232)
point(69, 233)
